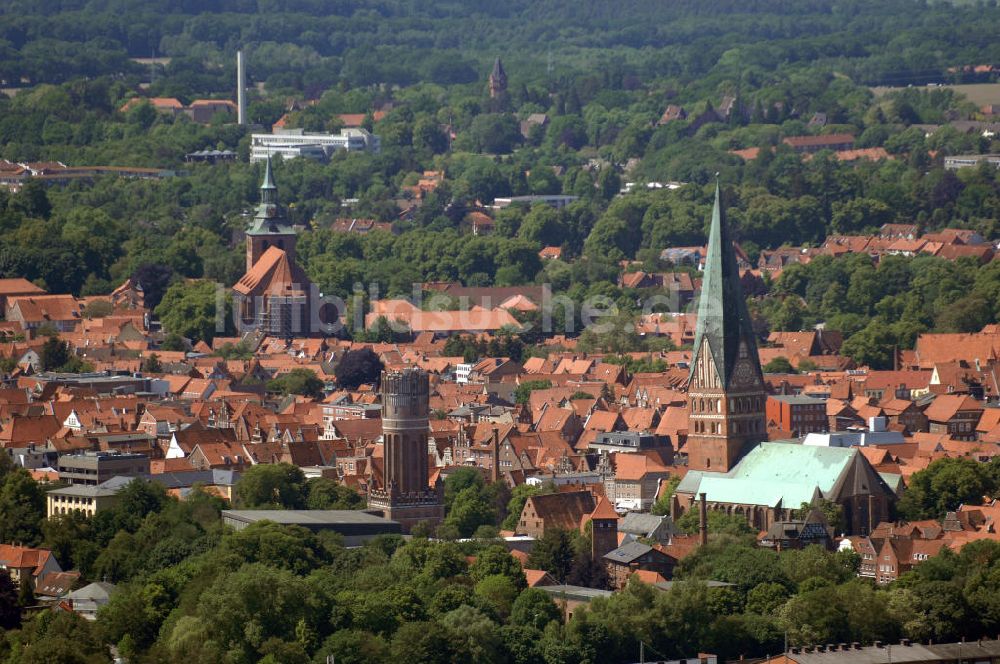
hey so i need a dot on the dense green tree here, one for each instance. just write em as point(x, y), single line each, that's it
point(191, 310)
point(280, 485)
point(534, 608)
point(554, 553)
point(55, 354)
point(358, 367)
point(10, 611)
point(287, 547)
point(60, 636)
point(470, 509)
point(944, 485)
point(327, 494)
point(779, 365)
point(22, 508)
point(663, 502)
point(300, 381)
point(152, 364)
point(497, 560)
point(423, 643)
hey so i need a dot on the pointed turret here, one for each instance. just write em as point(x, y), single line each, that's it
point(268, 190)
point(723, 319)
point(726, 386)
point(269, 218)
point(270, 225)
point(498, 79)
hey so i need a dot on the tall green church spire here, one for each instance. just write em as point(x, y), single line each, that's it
point(723, 319)
point(269, 218)
point(268, 190)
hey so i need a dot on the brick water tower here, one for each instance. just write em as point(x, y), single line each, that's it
point(405, 495)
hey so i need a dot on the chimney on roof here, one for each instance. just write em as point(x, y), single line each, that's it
point(496, 455)
point(241, 89)
point(702, 519)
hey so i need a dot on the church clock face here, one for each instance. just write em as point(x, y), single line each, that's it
point(743, 374)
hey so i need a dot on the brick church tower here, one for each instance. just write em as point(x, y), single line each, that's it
point(272, 297)
point(726, 396)
point(270, 226)
point(405, 495)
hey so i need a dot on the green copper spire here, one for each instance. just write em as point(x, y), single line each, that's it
point(268, 191)
point(269, 219)
point(723, 319)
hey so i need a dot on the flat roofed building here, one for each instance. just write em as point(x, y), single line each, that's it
point(624, 441)
point(797, 414)
point(904, 652)
point(955, 162)
point(558, 201)
point(93, 468)
point(356, 526)
point(292, 143)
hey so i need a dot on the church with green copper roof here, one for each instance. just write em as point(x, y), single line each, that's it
point(729, 462)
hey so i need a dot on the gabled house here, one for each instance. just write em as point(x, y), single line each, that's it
point(219, 456)
point(26, 562)
point(635, 556)
point(899, 555)
point(63, 312)
point(904, 414)
point(798, 533)
point(954, 414)
point(554, 511)
point(635, 481)
point(651, 527)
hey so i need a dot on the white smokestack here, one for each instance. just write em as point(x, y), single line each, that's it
point(241, 89)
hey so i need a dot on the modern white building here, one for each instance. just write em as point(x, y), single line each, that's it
point(462, 372)
point(875, 434)
point(294, 143)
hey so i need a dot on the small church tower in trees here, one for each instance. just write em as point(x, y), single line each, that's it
point(498, 80)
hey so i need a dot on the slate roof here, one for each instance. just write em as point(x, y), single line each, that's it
point(628, 552)
point(641, 523)
point(99, 590)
